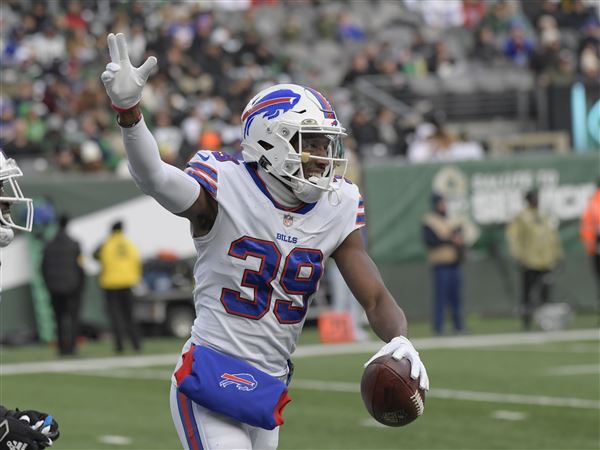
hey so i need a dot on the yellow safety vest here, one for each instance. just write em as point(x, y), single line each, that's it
point(120, 260)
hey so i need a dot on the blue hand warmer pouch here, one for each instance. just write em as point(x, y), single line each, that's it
point(232, 387)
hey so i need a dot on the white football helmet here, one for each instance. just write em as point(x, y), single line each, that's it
point(11, 195)
point(274, 125)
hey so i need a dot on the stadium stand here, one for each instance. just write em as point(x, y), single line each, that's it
point(466, 61)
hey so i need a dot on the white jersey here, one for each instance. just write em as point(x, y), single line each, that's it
point(260, 265)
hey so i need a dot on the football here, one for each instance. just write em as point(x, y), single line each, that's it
point(390, 395)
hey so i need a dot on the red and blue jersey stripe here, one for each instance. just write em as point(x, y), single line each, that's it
point(360, 213)
point(205, 174)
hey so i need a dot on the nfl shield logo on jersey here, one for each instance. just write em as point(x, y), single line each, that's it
point(288, 220)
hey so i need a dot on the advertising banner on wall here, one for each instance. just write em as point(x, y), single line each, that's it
point(482, 195)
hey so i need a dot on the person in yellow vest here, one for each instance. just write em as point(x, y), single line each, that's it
point(121, 269)
point(444, 240)
point(535, 245)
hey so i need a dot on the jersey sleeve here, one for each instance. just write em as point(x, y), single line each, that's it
point(203, 168)
point(353, 209)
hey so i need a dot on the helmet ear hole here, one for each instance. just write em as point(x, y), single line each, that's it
point(295, 141)
point(265, 145)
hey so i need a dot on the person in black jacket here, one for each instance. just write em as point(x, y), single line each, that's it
point(64, 277)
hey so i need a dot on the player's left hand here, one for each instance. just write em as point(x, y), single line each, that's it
point(400, 347)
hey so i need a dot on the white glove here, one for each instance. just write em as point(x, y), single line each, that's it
point(123, 82)
point(399, 348)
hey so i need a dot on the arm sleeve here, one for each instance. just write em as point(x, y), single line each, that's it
point(169, 186)
point(354, 212)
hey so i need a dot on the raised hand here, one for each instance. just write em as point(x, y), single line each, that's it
point(122, 81)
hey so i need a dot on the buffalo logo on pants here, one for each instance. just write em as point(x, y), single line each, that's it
point(242, 381)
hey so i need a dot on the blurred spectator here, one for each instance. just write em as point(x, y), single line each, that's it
point(73, 18)
point(498, 17)
point(589, 63)
point(485, 48)
point(577, 13)
point(589, 231)
point(168, 137)
point(563, 75)
point(518, 47)
point(442, 63)
point(546, 58)
point(433, 143)
point(363, 130)
point(360, 67)
point(348, 29)
point(121, 269)
point(535, 245)
point(48, 45)
point(591, 35)
point(446, 14)
point(64, 277)
point(390, 133)
point(445, 252)
point(20, 146)
point(505, 15)
point(7, 120)
point(473, 12)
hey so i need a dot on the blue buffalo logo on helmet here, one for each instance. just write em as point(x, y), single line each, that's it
point(242, 381)
point(270, 106)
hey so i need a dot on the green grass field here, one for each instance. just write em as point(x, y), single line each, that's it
point(542, 395)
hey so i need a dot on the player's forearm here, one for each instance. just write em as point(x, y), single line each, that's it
point(171, 187)
point(386, 318)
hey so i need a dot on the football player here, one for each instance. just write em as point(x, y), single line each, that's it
point(263, 229)
point(30, 429)
point(11, 194)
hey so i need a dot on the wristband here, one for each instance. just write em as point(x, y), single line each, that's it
point(132, 124)
point(134, 109)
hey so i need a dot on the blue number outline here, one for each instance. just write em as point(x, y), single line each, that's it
point(235, 304)
point(286, 307)
point(228, 296)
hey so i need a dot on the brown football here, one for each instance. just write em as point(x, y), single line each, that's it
point(391, 396)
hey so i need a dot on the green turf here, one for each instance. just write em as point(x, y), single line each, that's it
point(135, 405)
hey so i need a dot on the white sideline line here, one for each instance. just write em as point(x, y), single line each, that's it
point(585, 369)
point(347, 387)
point(492, 397)
point(309, 350)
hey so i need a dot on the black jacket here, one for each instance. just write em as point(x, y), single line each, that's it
point(60, 265)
